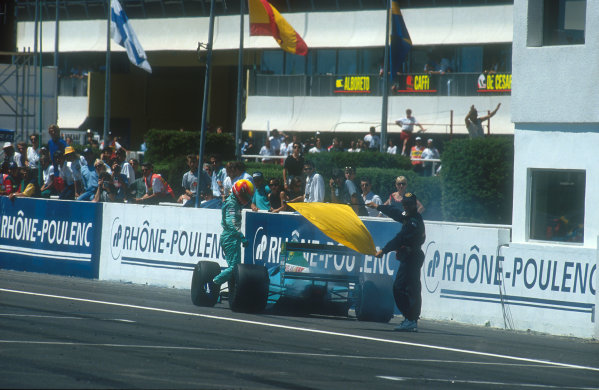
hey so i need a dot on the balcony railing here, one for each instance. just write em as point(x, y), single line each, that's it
point(423, 84)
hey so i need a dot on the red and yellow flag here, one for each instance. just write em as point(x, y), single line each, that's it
point(266, 20)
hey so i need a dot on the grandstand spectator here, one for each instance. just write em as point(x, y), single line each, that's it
point(274, 198)
point(360, 147)
point(55, 143)
point(430, 152)
point(106, 157)
point(106, 191)
point(26, 185)
point(8, 183)
point(352, 146)
point(286, 146)
point(474, 122)
point(370, 197)
point(235, 171)
point(372, 140)
point(157, 189)
point(293, 166)
point(9, 153)
point(314, 184)
point(135, 165)
point(317, 148)
point(401, 183)
point(391, 148)
point(260, 200)
point(416, 155)
point(335, 146)
point(21, 155)
point(219, 173)
point(89, 175)
point(343, 190)
point(275, 142)
point(407, 129)
point(47, 188)
point(74, 164)
point(266, 151)
point(120, 182)
point(126, 167)
point(64, 182)
point(33, 151)
point(293, 193)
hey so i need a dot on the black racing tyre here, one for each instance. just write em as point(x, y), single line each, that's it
point(374, 298)
point(203, 291)
point(248, 288)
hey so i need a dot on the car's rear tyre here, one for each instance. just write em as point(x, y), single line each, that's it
point(248, 288)
point(203, 291)
point(374, 298)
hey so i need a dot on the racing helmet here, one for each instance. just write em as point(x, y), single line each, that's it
point(243, 190)
point(409, 201)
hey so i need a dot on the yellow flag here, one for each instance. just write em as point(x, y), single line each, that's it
point(339, 222)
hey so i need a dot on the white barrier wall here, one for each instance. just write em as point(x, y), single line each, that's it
point(471, 274)
point(157, 245)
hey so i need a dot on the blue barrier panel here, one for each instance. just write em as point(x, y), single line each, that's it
point(50, 236)
point(266, 232)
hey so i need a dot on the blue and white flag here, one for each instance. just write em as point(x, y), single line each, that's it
point(122, 33)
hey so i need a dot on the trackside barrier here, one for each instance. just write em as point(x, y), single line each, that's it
point(471, 273)
point(158, 245)
point(50, 236)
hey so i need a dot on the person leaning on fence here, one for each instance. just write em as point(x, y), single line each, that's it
point(260, 200)
point(26, 184)
point(274, 198)
point(157, 189)
point(401, 183)
point(106, 191)
point(8, 183)
point(89, 175)
point(407, 245)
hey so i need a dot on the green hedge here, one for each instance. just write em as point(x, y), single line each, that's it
point(477, 180)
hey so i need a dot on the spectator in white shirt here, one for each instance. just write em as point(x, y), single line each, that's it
point(314, 184)
point(370, 197)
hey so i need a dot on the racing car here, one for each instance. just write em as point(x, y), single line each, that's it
point(308, 275)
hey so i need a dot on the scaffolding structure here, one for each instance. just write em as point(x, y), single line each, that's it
point(18, 94)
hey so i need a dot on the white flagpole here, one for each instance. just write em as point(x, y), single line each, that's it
point(107, 83)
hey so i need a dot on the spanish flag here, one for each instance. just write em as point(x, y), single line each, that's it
point(266, 20)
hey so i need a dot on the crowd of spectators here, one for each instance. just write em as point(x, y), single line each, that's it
point(108, 176)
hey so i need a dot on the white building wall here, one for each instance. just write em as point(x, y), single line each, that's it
point(436, 26)
point(556, 121)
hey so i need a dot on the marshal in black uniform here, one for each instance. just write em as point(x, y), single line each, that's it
point(407, 244)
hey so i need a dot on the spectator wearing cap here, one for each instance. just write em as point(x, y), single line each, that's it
point(9, 153)
point(33, 153)
point(416, 155)
point(157, 189)
point(55, 143)
point(89, 175)
point(314, 184)
point(260, 201)
point(430, 152)
point(74, 163)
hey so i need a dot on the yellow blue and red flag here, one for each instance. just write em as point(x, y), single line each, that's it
point(266, 20)
point(401, 43)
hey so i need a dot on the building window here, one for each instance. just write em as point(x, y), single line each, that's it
point(556, 22)
point(557, 205)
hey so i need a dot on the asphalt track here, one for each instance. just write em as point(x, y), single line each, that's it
point(62, 332)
